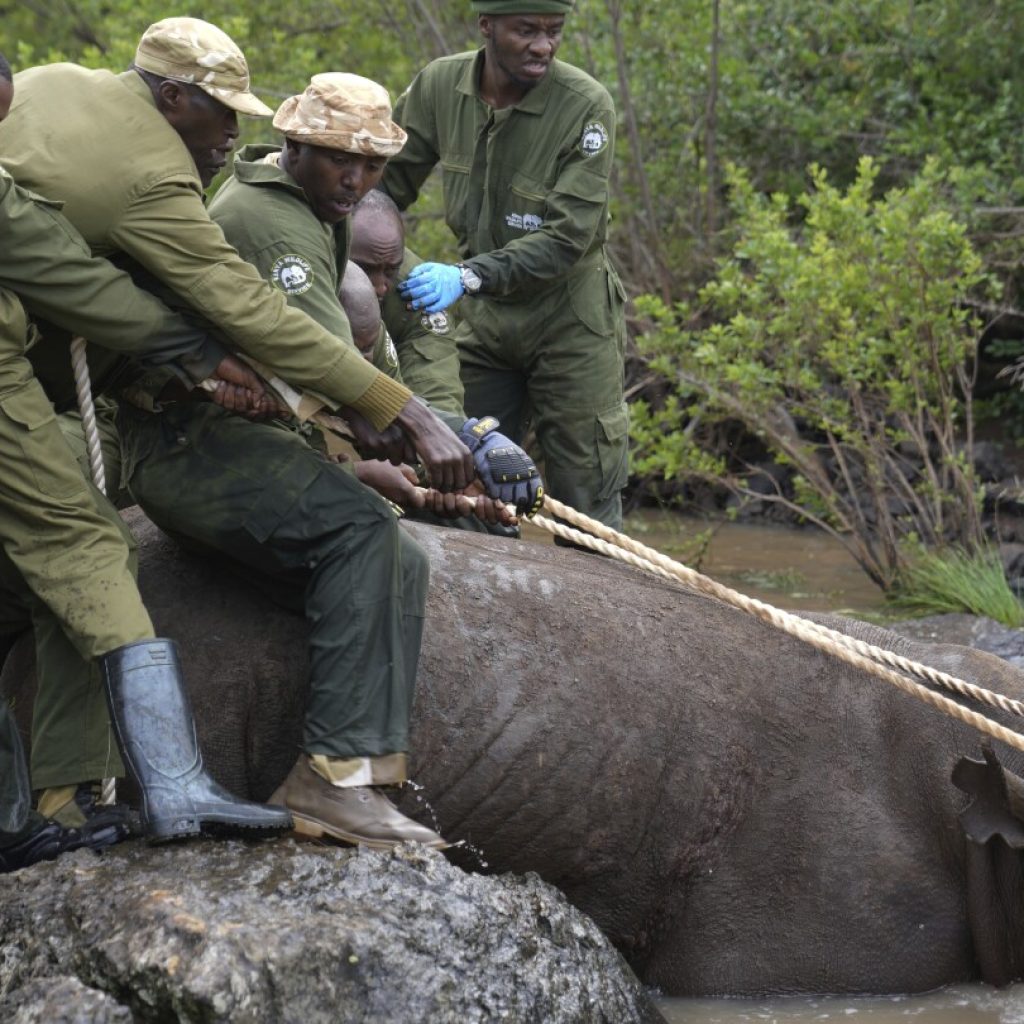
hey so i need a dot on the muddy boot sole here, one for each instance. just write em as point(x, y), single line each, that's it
point(311, 828)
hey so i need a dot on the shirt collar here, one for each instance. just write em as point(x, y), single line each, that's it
point(534, 102)
point(251, 168)
point(134, 82)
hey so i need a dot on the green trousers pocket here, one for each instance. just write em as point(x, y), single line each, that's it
point(613, 449)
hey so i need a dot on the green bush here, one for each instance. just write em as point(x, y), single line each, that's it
point(844, 347)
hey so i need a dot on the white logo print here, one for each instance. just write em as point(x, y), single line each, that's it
point(292, 274)
point(593, 139)
point(523, 221)
point(436, 323)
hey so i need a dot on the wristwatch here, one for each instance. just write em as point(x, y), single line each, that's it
point(471, 280)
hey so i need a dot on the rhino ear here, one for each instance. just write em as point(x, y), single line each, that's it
point(997, 807)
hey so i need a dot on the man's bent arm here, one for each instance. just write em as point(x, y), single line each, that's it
point(48, 265)
point(169, 232)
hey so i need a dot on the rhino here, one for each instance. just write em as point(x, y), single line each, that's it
point(740, 813)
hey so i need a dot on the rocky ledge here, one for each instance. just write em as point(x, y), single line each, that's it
point(287, 932)
point(975, 631)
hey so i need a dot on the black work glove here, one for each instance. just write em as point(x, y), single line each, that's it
point(506, 471)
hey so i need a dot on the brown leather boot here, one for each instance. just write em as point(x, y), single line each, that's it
point(360, 815)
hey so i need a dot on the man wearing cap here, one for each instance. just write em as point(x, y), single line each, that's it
point(65, 566)
point(425, 341)
point(129, 155)
point(526, 144)
point(286, 211)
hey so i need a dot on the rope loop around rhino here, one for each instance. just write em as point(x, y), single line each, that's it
point(868, 657)
point(877, 661)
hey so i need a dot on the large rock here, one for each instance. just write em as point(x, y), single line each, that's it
point(279, 932)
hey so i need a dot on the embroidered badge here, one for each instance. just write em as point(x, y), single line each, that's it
point(292, 274)
point(390, 352)
point(593, 139)
point(436, 323)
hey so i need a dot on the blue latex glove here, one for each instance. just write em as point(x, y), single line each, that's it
point(506, 471)
point(432, 287)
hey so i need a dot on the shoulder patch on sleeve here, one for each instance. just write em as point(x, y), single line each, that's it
point(292, 274)
point(436, 323)
point(593, 139)
point(390, 352)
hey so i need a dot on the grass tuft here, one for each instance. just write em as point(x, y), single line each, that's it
point(955, 580)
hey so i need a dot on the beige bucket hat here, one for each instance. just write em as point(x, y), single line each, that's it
point(342, 111)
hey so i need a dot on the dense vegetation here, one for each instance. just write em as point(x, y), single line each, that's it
point(766, 313)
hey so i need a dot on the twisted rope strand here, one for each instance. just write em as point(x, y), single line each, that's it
point(785, 621)
point(799, 628)
point(83, 391)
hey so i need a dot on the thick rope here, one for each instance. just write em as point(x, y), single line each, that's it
point(83, 391)
point(872, 659)
point(802, 629)
point(670, 568)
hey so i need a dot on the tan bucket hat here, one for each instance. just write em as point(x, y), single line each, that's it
point(342, 111)
point(194, 51)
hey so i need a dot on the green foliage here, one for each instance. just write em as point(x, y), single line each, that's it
point(955, 580)
point(838, 316)
point(842, 347)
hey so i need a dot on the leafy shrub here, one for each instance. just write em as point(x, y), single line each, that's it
point(844, 347)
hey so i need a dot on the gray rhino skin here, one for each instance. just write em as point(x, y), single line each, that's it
point(738, 812)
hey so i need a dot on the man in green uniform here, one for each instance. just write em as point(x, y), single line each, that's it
point(526, 143)
point(62, 551)
point(286, 211)
point(145, 143)
point(425, 341)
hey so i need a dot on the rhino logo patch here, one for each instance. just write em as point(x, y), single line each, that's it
point(436, 323)
point(292, 274)
point(593, 139)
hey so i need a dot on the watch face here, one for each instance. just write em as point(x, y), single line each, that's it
point(470, 280)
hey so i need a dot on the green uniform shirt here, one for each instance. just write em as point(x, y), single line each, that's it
point(266, 216)
point(526, 187)
point(45, 262)
point(97, 142)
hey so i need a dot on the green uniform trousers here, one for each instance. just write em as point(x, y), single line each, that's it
point(558, 362)
point(315, 539)
point(15, 791)
point(64, 569)
point(72, 557)
point(71, 736)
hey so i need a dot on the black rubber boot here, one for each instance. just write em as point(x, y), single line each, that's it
point(156, 733)
point(42, 839)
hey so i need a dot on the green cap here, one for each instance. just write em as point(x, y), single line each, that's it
point(522, 6)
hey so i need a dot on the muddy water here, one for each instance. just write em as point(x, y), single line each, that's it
point(800, 569)
point(961, 1004)
point(791, 568)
